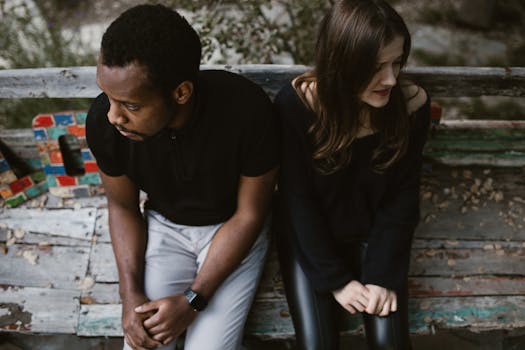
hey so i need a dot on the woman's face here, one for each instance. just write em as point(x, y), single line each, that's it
point(377, 93)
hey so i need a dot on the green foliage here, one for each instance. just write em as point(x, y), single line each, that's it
point(426, 58)
point(33, 37)
point(256, 31)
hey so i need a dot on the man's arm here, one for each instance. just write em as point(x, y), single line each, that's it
point(228, 248)
point(235, 238)
point(128, 236)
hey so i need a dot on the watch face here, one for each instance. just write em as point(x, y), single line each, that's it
point(197, 301)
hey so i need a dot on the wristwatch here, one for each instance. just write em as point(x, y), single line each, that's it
point(197, 301)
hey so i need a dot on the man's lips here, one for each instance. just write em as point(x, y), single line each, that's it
point(125, 132)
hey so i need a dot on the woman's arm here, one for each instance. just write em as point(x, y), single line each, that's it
point(388, 252)
point(300, 205)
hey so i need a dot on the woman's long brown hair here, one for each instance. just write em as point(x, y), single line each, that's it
point(348, 43)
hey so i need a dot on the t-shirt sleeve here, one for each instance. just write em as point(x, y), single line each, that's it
point(102, 138)
point(300, 207)
point(388, 253)
point(260, 140)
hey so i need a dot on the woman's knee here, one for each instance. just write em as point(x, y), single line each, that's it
point(387, 333)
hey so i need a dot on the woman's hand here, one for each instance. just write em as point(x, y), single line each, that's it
point(381, 301)
point(352, 297)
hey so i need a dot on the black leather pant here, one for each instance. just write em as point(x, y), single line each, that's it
point(317, 317)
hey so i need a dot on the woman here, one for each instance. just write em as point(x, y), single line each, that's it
point(353, 135)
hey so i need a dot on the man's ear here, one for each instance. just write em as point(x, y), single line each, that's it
point(182, 94)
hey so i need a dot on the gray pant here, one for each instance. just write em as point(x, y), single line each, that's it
point(175, 254)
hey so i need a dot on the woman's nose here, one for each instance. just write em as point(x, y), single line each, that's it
point(389, 77)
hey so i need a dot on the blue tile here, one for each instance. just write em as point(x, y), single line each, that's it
point(40, 134)
point(64, 119)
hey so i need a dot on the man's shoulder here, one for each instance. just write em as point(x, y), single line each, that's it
point(223, 84)
point(98, 110)
point(98, 128)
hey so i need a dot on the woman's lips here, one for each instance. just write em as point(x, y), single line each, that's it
point(384, 92)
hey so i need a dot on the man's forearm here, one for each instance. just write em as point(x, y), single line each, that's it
point(229, 247)
point(128, 236)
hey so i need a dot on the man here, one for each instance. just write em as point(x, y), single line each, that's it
point(203, 146)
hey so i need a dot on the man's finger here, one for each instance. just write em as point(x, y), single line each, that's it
point(152, 322)
point(157, 329)
point(146, 307)
point(168, 340)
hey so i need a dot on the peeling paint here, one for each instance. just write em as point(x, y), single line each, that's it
point(15, 318)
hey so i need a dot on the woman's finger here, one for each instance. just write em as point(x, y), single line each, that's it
point(385, 311)
point(393, 304)
point(350, 309)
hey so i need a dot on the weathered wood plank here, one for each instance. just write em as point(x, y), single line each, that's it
point(474, 313)
point(100, 320)
point(65, 82)
point(102, 227)
point(472, 203)
point(44, 240)
point(271, 319)
point(491, 142)
point(467, 262)
point(101, 293)
point(45, 266)
point(78, 224)
point(461, 286)
point(102, 263)
point(505, 159)
point(48, 82)
point(470, 81)
point(39, 310)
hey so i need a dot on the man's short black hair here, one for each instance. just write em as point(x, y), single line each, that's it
point(159, 39)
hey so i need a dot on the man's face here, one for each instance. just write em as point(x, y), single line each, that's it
point(137, 109)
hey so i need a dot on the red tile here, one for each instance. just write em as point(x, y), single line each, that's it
point(77, 130)
point(56, 157)
point(90, 167)
point(65, 180)
point(43, 121)
point(20, 185)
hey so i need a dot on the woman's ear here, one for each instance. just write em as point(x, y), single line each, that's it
point(182, 94)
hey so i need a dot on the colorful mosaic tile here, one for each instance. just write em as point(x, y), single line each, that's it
point(16, 191)
point(69, 165)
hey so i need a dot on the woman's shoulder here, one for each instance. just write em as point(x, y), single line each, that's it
point(292, 108)
point(415, 96)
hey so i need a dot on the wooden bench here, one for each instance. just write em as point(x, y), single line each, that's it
point(57, 271)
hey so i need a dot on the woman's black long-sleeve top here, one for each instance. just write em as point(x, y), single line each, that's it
point(328, 213)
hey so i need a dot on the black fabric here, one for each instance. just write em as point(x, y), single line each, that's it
point(191, 174)
point(329, 213)
point(318, 318)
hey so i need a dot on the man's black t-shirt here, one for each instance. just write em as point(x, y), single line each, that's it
point(191, 175)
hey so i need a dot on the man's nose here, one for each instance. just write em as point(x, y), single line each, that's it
point(115, 115)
